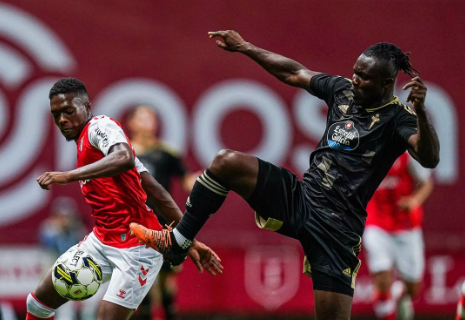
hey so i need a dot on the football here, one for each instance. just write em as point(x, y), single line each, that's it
point(76, 276)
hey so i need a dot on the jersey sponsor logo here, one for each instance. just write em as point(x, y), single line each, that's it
point(80, 144)
point(103, 135)
point(343, 136)
point(121, 294)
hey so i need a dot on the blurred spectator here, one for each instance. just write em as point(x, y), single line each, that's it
point(393, 238)
point(164, 163)
point(63, 228)
point(461, 304)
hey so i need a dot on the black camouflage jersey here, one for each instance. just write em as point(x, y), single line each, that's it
point(357, 150)
point(163, 163)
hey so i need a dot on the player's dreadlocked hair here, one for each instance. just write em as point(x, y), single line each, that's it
point(390, 52)
point(67, 85)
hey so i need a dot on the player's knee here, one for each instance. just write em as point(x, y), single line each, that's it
point(38, 308)
point(383, 281)
point(225, 161)
point(413, 289)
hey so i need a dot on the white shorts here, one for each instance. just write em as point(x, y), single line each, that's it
point(131, 271)
point(403, 250)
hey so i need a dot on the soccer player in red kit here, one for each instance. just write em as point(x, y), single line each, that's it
point(461, 304)
point(393, 237)
point(113, 182)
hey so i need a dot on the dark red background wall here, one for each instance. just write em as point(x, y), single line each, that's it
point(167, 42)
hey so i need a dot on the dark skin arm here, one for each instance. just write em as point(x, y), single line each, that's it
point(119, 159)
point(161, 198)
point(423, 146)
point(284, 69)
point(201, 255)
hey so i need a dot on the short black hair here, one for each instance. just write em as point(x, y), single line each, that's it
point(68, 85)
point(392, 53)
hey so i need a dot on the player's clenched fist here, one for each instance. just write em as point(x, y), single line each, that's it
point(46, 179)
point(232, 40)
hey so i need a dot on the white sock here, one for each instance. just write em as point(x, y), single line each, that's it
point(182, 241)
point(37, 308)
point(405, 308)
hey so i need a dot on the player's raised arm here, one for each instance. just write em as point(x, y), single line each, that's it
point(286, 70)
point(423, 146)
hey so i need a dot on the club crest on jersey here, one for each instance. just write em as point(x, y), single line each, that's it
point(343, 136)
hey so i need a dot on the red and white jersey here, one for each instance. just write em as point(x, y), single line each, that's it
point(400, 181)
point(116, 201)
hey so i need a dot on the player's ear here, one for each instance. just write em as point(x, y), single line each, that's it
point(389, 82)
point(88, 105)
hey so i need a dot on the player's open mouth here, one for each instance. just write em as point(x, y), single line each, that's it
point(66, 131)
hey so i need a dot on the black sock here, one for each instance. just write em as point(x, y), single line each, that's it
point(168, 305)
point(205, 199)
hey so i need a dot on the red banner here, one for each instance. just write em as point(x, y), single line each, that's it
point(259, 278)
point(268, 278)
point(208, 99)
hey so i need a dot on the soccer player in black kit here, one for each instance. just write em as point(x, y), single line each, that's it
point(367, 128)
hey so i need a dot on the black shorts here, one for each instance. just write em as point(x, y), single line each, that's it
point(282, 203)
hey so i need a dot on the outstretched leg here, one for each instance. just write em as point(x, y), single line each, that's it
point(229, 170)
